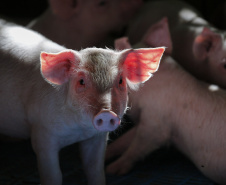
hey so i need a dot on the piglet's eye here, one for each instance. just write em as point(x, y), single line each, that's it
point(81, 82)
point(120, 81)
point(121, 84)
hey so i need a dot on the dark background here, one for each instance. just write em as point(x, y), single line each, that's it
point(22, 11)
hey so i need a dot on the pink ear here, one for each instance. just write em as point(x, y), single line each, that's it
point(205, 42)
point(56, 68)
point(140, 63)
point(159, 35)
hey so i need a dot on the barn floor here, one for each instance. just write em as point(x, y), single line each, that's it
point(163, 167)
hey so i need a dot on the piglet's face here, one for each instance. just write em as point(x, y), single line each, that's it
point(97, 79)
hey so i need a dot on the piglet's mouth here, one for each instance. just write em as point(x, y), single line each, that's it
point(106, 121)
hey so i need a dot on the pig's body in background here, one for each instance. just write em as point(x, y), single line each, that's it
point(179, 110)
point(197, 45)
point(174, 108)
point(68, 97)
point(80, 24)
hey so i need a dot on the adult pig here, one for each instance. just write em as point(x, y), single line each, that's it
point(79, 24)
point(197, 46)
point(174, 108)
point(70, 96)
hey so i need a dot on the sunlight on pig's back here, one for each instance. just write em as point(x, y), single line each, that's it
point(28, 41)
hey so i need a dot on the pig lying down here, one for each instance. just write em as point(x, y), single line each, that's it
point(64, 96)
point(174, 108)
point(197, 45)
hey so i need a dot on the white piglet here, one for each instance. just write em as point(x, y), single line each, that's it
point(70, 96)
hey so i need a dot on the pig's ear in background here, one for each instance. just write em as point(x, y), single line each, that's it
point(56, 67)
point(122, 43)
point(65, 9)
point(205, 43)
point(159, 35)
point(139, 64)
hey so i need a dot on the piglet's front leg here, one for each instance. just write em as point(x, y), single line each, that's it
point(93, 152)
point(46, 149)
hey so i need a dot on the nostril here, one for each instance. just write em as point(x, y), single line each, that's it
point(112, 121)
point(99, 122)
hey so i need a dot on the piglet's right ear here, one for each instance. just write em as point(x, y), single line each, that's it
point(139, 64)
point(56, 67)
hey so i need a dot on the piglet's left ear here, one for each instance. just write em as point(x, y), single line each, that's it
point(139, 64)
point(56, 67)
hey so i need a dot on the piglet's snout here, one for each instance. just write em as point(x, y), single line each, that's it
point(106, 121)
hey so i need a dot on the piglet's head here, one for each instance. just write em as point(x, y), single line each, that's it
point(96, 80)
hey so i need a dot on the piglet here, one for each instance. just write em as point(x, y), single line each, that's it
point(197, 45)
point(63, 96)
point(174, 108)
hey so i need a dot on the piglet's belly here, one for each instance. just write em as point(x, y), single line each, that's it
point(12, 127)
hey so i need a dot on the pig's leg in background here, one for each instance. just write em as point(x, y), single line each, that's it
point(46, 149)
point(143, 142)
point(120, 145)
point(92, 153)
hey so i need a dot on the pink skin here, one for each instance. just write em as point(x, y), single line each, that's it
point(79, 24)
point(198, 46)
point(62, 104)
point(174, 108)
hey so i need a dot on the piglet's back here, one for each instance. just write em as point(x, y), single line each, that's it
point(20, 75)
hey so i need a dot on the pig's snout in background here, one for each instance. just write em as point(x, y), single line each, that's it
point(106, 121)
